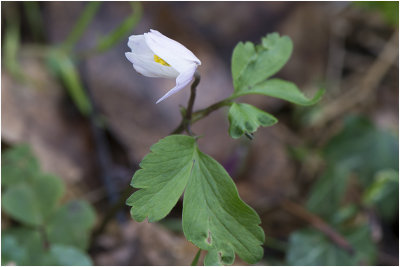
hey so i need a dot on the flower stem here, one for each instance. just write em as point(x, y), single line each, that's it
point(196, 258)
point(187, 120)
point(198, 115)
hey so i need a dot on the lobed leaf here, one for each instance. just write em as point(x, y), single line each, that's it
point(214, 217)
point(272, 55)
point(163, 176)
point(281, 89)
point(245, 118)
point(242, 55)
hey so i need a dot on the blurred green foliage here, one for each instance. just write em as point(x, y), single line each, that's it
point(361, 157)
point(311, 247)
point(360, 150)
point(48, 233)
point(63, 60)
point(388, 9)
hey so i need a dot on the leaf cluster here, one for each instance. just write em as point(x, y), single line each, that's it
point(49, 233)
point(252, 68)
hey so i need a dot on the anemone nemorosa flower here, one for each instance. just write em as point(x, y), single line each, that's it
point(155, 55)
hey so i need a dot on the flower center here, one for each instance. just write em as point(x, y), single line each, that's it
point(161, 61)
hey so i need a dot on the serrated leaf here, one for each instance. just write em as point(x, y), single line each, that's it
point(271, 56)
point(311, 247)
point(33, 202)
point(71, 224)
point(281, 89)
point(245, 118)
point(214, 217)
point(242, 55)
point(163, 176)
point(18, 164)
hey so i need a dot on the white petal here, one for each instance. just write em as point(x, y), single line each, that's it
point(174, 46)
point(138, 45)
point(182, 80)
point(150, 68)
point(175, 54)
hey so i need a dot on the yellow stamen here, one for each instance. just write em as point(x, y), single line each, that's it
point(161, 61)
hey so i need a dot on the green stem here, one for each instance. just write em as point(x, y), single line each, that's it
point(81, 25)
point(196, 258)
point(198, 115)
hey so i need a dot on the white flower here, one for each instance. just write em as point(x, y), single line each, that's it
point(155, 55)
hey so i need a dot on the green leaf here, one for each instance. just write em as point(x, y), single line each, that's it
point(163, 176)
point(33, 202)
point(362, 148)
point(310, 247)
point(71, 224)
point(359, 149)
point(26, 247)
point(20, 203)
point(388, 9)
point(11, 252)
point(242, 55)
point(214, 217)
point(29, 248)
point(384, 193)
point(245, 118)
point(272, 55)
point(68, 256)
point(327, 192)
point(281, 89)
point(18, 164)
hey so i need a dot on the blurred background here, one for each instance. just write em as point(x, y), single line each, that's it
point(76, 120)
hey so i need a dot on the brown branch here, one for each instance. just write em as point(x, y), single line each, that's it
point(366, 86)
point(299, 211)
